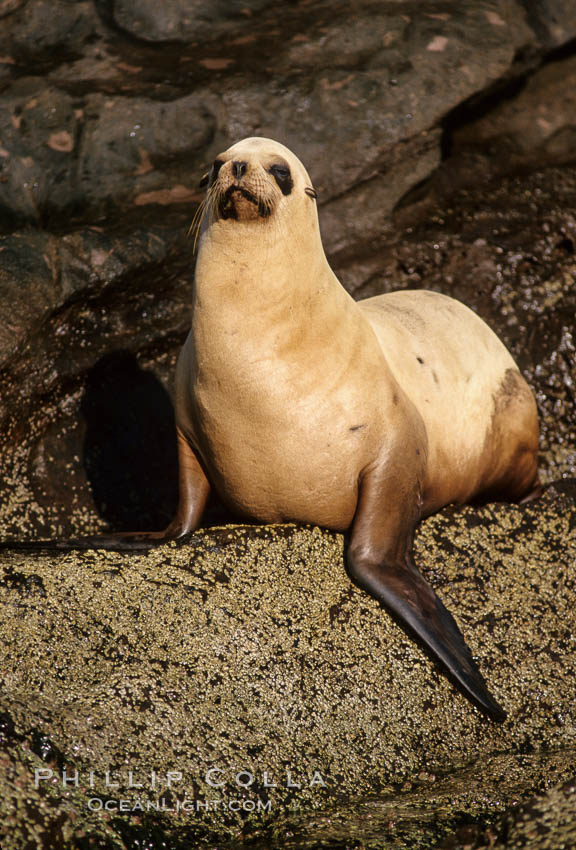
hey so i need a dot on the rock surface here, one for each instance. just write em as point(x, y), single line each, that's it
point(247, 650)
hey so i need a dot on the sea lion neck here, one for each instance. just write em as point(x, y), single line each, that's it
point(261, 266)
point(270, 296)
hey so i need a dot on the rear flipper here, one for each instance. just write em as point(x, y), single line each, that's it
point(379, 561)
point(409, 596)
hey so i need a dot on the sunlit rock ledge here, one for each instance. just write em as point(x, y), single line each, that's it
point(243, 669)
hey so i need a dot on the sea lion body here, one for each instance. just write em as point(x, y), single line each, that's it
point(295, 403)
point(288, 389)
point(479, 413)
point(287, 441)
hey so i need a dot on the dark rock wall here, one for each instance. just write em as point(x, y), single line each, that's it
point(440, 137)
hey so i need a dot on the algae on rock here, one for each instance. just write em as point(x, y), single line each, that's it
point(246, 650)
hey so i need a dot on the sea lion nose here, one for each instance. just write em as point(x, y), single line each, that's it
point(239, 168)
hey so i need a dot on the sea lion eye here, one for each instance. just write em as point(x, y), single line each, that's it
point(281, 174)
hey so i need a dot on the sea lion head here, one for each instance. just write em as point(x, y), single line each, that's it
point(254, 180)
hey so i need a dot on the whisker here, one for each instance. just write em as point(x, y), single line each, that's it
point(207, 205)
point(199, 209)
point(204, 206)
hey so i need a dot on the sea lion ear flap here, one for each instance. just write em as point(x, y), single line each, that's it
point(204, 180)
point(312, 193)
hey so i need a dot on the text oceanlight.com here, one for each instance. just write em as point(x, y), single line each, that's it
point(96, 804)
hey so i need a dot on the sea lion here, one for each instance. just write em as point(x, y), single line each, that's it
point(296, 403)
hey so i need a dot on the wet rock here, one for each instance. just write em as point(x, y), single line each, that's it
point(380, 90)
point(46, 32)
point(39, 128)
point(42, 278)
point(9, 6)
point(27, 287)
point(180, 20)
point(535, 126)
point(142, 151)
point(106, 287)
point(248, 650)
point(551, 19)
point(363, 214)
point(543, 822)
point(465, 804)
point(66, 156)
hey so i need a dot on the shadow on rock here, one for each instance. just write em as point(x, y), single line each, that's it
point(130, 453)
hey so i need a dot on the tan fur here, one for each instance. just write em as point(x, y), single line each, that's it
point(289, 391)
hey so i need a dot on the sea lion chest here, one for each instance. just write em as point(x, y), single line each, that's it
point(283, 433)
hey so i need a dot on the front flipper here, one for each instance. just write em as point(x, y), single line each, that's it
point(379, 561)
point(194, 489)
point(113, 542)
